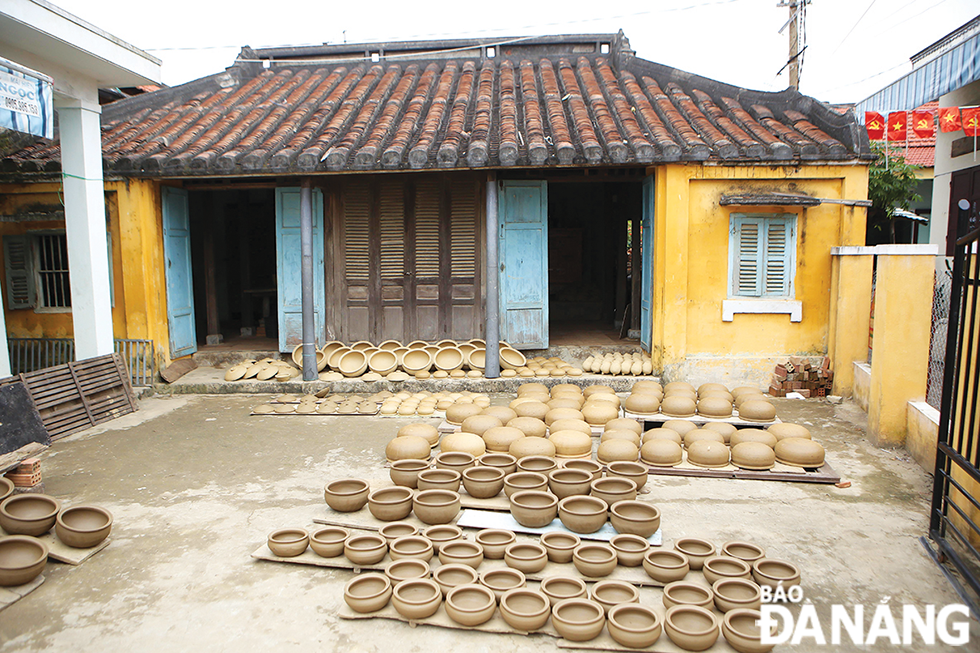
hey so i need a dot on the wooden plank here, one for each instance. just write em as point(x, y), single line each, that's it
point(88, 411)
point(10, 595)
point(10, 460)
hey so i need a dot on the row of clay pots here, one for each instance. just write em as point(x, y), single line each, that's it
point(418, 358)
point(267, 369)
point(426, 403)
point(618, 364)
point(717, 444)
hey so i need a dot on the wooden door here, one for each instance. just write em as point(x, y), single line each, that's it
point(289, 274)
point(180, 281)
point(646, 265)
point(523, 272)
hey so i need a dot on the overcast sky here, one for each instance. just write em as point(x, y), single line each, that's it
point(854, 47)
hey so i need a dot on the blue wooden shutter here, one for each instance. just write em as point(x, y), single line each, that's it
point(180, 279)
point(289, 271)
point(524, 264)
point(747, 264)
point(646, 265)
point(779, 243)
point(17, 260)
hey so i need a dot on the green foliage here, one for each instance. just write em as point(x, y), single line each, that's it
point(891, 187)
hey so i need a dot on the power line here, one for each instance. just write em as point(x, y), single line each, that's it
point(853, 27)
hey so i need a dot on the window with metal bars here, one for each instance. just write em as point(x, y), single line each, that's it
point(762, 255)
point(51, 256)
point(37, 271)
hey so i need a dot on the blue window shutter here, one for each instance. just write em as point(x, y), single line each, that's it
point(779, 243)
point(18, 261)
point(747, 266)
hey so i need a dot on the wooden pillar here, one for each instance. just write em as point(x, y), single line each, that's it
point(214, 336)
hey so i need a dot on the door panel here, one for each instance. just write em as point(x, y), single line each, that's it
point(289, 273)
point(646, 266)
point(180, 281)
point(524, 264)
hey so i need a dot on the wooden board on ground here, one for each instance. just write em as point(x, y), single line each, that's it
point(314, 414)
point(445, 428)
point(178, 369)
point(779, 472)
point(734, 420)
point(487, 519)
point(10, 595)
point(14, 458)
point(61, 552)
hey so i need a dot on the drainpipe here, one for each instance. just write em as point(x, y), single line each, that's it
point(306, 247)
point(492, 370)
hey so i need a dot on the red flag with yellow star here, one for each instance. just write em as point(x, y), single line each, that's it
point(971, 121)
point(923, 124)
point(949, 119)
point(875, 124)
point(897, 120)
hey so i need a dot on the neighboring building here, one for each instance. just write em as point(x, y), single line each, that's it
point(722, 187)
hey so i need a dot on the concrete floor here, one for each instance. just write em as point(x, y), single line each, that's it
point(195, 485)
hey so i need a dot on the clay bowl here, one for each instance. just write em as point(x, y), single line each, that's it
point(800, 452)
point(527, 557)
point(349, 494)
point(416, 360)
point(559, 545)
point(404, 473)
point(333, 358)
point(590, 466)
point(683, 593)
point(439, 479)
point(382, 361)
point(582, 514)
point(691, 627)
point(742, 631)
point(436, 506)
point(288, 542)
point(391, 503)
point(28, 514)
point(502, 580)
point(503, 413)
point(636, 517)
point(367, 593)
point(458, 461)
point(411, 547)
point(533, 508)
point(470, 605)
point(449, 359)
point(366, 549)
point(525, 610)
point(502, 461)
point(610, 593)
point(406, 569)
point(461, 552)
point(735, 593)
point(578, 620)
point(633, 471)
point(559, 588)
point(613, 489)
point(569, 482)
point(629, 549)
point(83, 527)
point(6, 487)
point(696, 550)
point(594, 560)
point(454, 575)
point(353, 363)
point(22, 559)
point(495, 542)
point(328, 542)
point(442, 534)
point(721, 567)
point(511, 359)
point(537, 464)
point(665, 566)
point(395, 530)
point(418, 598)
point(522, 481)
point(743, 551)
point(633, 625)
point(772, 573)
point(483, 482)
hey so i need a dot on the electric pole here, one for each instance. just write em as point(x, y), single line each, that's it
point(793, 62)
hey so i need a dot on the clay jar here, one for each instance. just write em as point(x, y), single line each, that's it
point(83, 527)
point(495, 541)
point(665, 566)
point(28, 514)
point(367, 593)
point(610, 593)
point(569, 482)
point(560, 588)
point(537, 464)
point(436, 506)
point(721, 567)
point(524, 610)
point(408, 446)
point(772, 573)
point(328, 542)
point(499, 438)
point(633, 471)
point(578, 620)
point(633, 625)
point(533, 508)
point(571, 444)
point(402, 472)
point(582, 514)
point(662, 453)
point(690, 627)
point(417, 599)
point(735, 593)
point(367, 549)
point(521, 481)
point(465, 442)
point(439, 479)
point(629, 549)
point(406, 569)
point(594, 560)
point(696, 550)
point(526, 557)
point(613, 489)
point(458, 461)
point(22, 559)
point(502, 461)
point(483, 482)
point(454, 575)
point(559, 545)
point(798, 452)
point(411, 547)
point(461, 552)
point(636, 517)
point(390, 504)
point(683, 593)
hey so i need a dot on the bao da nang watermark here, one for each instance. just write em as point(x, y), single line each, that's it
point(899, 625)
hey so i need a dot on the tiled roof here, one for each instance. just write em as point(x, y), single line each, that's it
point(470, 112)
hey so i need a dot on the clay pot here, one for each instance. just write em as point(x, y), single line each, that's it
point(427, 431)
point(6, 487)
point(716, 407)
point(439, 479)
point(461, 552)
point(753, 455)
point(537, 464)
point(742, 436)
point(735, 593)
point(629, 549)
point(436, 506)
point(615, 434)
point(742, 631)
point(382, 362)
point(470, 605)
point(410, 547)
point(349, 494)
point(784, 430)
point(449, 359)
point(597, 412)
point(578, 620)
point(333, 358)
point(476, 358)
point(416, 360)
point(556, 414)
point(742, 398)
point(28, 514)
point(367, 593)
point(691, 627)
point(636, 517)
point(569, 482)
point(390, 504)
point(696, 550)
point(756, 410)
point(532, 427)
point(608, 397)
point(453, 575)
point(480, 423)
point(742, 390)
point(503, 413)
point(617, 450)
point(665, 566)
point(697, 435)
point(727, 430)
point(353, 363)
point(288, 542)
point(571, 443)
point(582, 514)
point(533, 508)
point(366, 549)
point(559, 545)
point(408, 446)
point(328, 542)
point(527, 557)
point(458, 412)
point(483, 482)
point(683, 593)
point(574, 403)
point(465, 442)
point(22, 559)
point(596, 389)
point(502, 461)
point(662, 453)
point(495, 542)
point(521, 481)
point(711, 455)
point(633, 625)
point(457, 461)
point(402, 472)
point(398, 571)
point(772, 573)
point(590, 466)
point(718, 568)
point(531, 446)
point(442, 534)
point(676, 406)
point(642, 404)
point(532, 388)
point(594, 560)
point(525, 610)
point(83, 527)
point(511, 359)
point(418, 598)
point(572, 424)
point(745, 551)
point(610, 593)
point(798, 452)
point(614, 489)
point(499, 438)
point(633, 471)
point(679, 426)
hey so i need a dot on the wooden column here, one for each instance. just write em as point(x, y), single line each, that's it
point(214, 336)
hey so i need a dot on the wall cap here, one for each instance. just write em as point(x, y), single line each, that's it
point(926, 410)
point(852, 250)
point(886, 250)
point(731, 306)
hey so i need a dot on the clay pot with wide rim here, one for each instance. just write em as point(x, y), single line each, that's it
point(633, 471)
point(22, 559)
point(527, 557)
point(461, 552)
point(636, 517)
point(613, 489)
point(353, 363)
point(511, 359)
point(696, 550)
point(442, 534)
point(610, 593)
point(533, 508)
point(458, 461)
point(454, 575)
point(745, 551)
point(402, 472)
point(569, 482)
point(594, 559)
point(328, 542)
point(495, 542)
point(684, 593)
point(772, 573)
point(735, 593)
point(366, 549)
point(718, 568)
point(665, 566)
point(583, 514)
point(524, 481)
point(483, 482)
point(559, 545)
point(416, 360)
point(6, 487)
point(449, 359)
point(691, 627)
point(406, 569)
point(578, 620)
point(333, 358)
point(524, 609)
point(629, 548)
point(537, 464)
point(28, 514)
point(590, 466)
point(391, 503)
point(411, 547)
point(368, 592)
point(288, 542)
point(633, 625)
point(417, 599)
point(502, 580)
point(439, 479)
point(742, 631)
point(83, 527)
point(382, 361)
point(502, 461)
point(560, 588)
point(470, 605)
point(436, 506)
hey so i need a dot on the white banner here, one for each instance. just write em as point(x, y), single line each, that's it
point(26, 103)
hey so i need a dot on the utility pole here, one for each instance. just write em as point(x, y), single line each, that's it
point(793, 62)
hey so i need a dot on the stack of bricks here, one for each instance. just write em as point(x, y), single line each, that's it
point(27, 474)
point(798, 375)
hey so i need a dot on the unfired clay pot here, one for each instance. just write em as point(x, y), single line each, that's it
point(465, 442)
point(347, 495)
point(681, 426)
point(690, 627)
point(714, 407)
point(610, 593)
point(753, 455)
point(417, 599)
point(629, 549)
point(696, 550)
point(718, 568)
point(521, 481)
point(454, 575)
point(83, 527)
point(529, 446)
point(479, 424)
point(526, 557)
point(785, 430)
point(571, 443)
point(743, 551)
point(398, 571)
point(798, 452)
point(594, 559)
point(524, 609)
point(735, 593)
point(495, 541)
point(390, 504)
point(599, 412)
point(461, 552)
point(703, 434)
point(642, 404)
point(590, 466)
point(559, 545)
point(617, 449)
point(726, 429)
point(582, 514)
point(533, 508)
point(436, 506)
point(411, 547)
point(632, 470)
point(499, 438)
point(288, 542)
point(439, 479)
point(752, 435)
point(403, 472)
point(449, 359)
point(328, 542)
point(562, 413)
point(662, 434)
point(742, 631)
point(757, 411)
point(613, 489)
point(662, 453)
point(483, 482)
point(771, 573)
point(665, 566)
point(564, 424)
point(708, 454)
point(22, 559)
point(578, 620)
point(442, 534)
point(536, 464)
point(457, 461)
point(636, 517)
point(503, 413)
point(685, 593)
point(675, 406)
point(568, 482)
point(532, 427)
point(28, 514)
point(408, 446)
point(559, 588)
point(367, 593)
point(470, 605)
point(457, 413)
point(633, 625)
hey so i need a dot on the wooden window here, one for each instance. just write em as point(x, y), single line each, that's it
point(427, 202)
point(357, 232)
point(762, 255)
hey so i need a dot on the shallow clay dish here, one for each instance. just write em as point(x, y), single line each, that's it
point(691, 627)
point(734, 593)
point(665, 566)
point(559, 545)
point(533, 508)
point(328, 542)
point(772, 573)
point(288, 542)
point(559, 588)
point(83, 527)
point(22, 559)
point(418, 598)
point(578, 620)
point(610, 593)
point(684, 593)
point(696, 550)
point(28, 514)
point(629, 549)
point(633, 625)
point(636, 517)
point(502, 580)
point(594, 559)
point(470, 605)
point(495, 542)
point(721, 567)
point(436, 506)
point(367, 593)
point(453, 575)
point(524, 609)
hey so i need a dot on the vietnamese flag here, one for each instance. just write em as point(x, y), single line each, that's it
point(923, 124)
point(875, 124)
point(949, 119)
point(897, 121)
point(971, 121)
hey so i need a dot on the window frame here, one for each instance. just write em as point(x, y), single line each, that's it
point(736, 220)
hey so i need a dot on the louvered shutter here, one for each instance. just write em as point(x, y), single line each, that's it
point(392, 225)
point(357, 232)
point(778, 257)
point(463, 230)
point(747, 268)
point(20, 273)
point(427, 229)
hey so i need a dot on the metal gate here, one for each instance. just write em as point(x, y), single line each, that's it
point(956, 494)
